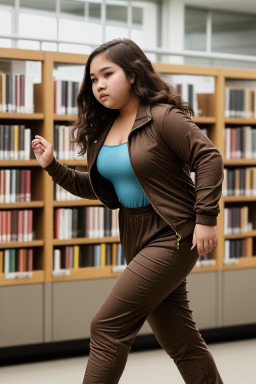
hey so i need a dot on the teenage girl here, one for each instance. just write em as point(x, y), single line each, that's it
point(141, 146)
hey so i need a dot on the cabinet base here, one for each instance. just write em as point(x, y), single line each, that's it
point(74, 348)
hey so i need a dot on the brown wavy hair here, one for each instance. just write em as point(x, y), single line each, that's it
point(148, 85)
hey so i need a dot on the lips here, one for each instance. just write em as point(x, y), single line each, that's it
point(103, 96)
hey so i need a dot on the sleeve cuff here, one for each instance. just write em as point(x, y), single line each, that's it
point(52, 167)
point(206, 220)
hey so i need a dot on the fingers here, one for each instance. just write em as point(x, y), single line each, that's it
point(193, 241)
point(37, 146)
point(206, 246)
point(40, 139)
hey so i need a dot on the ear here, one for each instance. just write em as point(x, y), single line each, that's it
point(132, 78)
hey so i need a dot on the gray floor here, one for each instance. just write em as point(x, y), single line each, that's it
point(236, 362)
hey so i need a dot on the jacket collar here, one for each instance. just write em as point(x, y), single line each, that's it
point(142, 117)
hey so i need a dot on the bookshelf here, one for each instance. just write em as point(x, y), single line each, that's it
point(212, 117)
point(239, 114)
point(49, 286)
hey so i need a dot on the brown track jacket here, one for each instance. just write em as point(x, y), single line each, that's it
point(164, 146)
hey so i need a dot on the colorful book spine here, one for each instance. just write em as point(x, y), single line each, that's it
point(90, 222)
point(91, 255)
point(239, 181)
point(65, 95)
point(16, 225)
point(17, 93)
point(17, 260)
point(15, 142)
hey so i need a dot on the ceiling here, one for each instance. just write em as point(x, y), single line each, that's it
point(247, 6)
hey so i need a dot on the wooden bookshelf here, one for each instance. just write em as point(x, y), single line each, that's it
point(21, 116)
point(83, 240)
point(43, 124)
point(235, 78)
point(76, 203)
point(22, 244)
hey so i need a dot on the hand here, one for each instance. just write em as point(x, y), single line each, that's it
point(43, 151)
point(205, 237)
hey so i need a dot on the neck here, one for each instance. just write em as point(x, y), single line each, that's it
point(129, 109)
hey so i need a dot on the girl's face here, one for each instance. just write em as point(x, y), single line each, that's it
point(110, 85)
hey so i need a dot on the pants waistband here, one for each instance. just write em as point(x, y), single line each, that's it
point(137, 210)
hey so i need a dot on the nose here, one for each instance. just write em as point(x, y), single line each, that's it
point(101, 85)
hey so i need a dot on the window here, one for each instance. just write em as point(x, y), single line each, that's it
point(195, 29)
point(117, 13)
point(45, 5)
point(137, 15)
point(72, 7)
point(233, 33)
point(95, 10)
point(7, 2)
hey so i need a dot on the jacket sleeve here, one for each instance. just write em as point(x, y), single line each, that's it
point(191, 145)
point(75, 182)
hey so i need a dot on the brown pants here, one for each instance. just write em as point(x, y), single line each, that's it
point(152, 288)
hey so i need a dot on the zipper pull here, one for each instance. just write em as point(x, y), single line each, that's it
point(178, 240)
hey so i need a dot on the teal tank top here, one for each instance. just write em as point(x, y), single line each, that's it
point(113, 163)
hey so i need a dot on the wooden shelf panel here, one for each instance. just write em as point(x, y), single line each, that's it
point(74, 163)
point(243, 262)
point(69, 58)
point(37, 277)
point(196, 119)
point(205, 269)
point(83, 240)
point(87, 273)
point(22, 244)
point(238, 199)
point(19, 163)
point(64, 117)
point(181, 69)
point(22, 54)
point(21, 116)
point(240, 162)
point(240, 120)
point(28, 205)
point(204, 120)
point(76, 203)
point(241, 235)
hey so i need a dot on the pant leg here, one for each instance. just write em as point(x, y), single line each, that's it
point(176, 332)
point(156, 271)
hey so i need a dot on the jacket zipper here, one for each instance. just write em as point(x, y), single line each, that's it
point(177, 234)
point(93, 188)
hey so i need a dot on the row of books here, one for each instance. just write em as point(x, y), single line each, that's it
point(236, 220)
point(16, 225)
point(91, 255)
point(239, 182)
point(90, 222)
point(15, 185)
point(188, 94)
point(17, 260)
point(65, 97)
point(63, 148)
point(240, 142)
point(15, 142)
point(60, 194)
point(240, 102)
point(16, 93)
point(237, 248)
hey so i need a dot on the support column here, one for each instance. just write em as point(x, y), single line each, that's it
point(173, 29)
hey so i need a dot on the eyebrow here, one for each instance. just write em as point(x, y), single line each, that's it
point(101, 70)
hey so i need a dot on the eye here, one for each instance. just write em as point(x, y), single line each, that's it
point(108, 74)
point(93, 81)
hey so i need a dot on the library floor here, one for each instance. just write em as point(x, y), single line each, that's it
point(235, 360)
